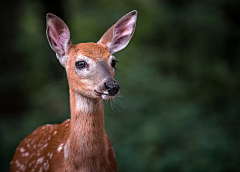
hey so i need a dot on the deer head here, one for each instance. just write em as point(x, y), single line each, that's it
point(90, 67)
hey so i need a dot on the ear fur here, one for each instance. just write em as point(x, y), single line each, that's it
point(118, 36)
point(58, 36)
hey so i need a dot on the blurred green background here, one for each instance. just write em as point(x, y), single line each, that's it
point(179, 109)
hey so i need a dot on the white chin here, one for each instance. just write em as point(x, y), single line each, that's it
point(107, 97)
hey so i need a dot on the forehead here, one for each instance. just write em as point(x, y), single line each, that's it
point(91, 50)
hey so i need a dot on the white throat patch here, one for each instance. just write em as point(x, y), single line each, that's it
point(83, 104)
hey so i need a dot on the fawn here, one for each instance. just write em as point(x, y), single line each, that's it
point(80, 143)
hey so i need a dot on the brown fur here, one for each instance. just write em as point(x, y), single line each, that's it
point(92, 50)
point(89, 147)
point(81, 143)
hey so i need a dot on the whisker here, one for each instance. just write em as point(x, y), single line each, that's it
point(120, 95)
point(119, 102)
point(116, 102)
point(118, 109)
point(112, 105)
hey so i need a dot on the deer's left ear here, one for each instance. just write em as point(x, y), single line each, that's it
point(118, 36)
point(58, 36)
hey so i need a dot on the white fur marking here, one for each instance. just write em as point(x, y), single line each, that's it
point(82, 104)
point(46, 165)
point(65, 151)
point(60, 147)
point(54, 133)
point(61, 59)
point(25, 154)
point(40, 160)
point(22, 149)
point(22, 168)
point(45, 145)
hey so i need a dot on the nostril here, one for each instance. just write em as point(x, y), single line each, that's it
point(112, 88)
point(117, 87)
point(106, 85)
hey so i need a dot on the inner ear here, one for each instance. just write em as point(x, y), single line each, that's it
point(119, 35)
point(58, 34)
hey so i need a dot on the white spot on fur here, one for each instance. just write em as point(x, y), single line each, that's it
point(46, 165)
point(51, 154)
point(45, 145)
point(22, 149)
point(65, 151)
point(22, 167)
point(40, 160)
point(54, 133)
point(60, 147)
point(25, 154)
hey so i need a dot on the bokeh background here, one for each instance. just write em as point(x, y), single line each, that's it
point(179, 109)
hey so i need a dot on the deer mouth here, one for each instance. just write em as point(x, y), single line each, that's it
point(105, 95)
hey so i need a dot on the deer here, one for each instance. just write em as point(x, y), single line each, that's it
point(79, 144)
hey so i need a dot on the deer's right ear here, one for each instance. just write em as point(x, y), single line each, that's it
point(58, 36)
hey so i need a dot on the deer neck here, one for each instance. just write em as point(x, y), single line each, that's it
point(87, 140)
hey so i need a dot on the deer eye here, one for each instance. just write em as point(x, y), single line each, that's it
point(113, 64)
point(80, 64)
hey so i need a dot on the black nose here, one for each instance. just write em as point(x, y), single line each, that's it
point(112, 87)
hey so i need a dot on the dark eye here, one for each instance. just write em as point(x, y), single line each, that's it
point(114, 63)
point(80, 64)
